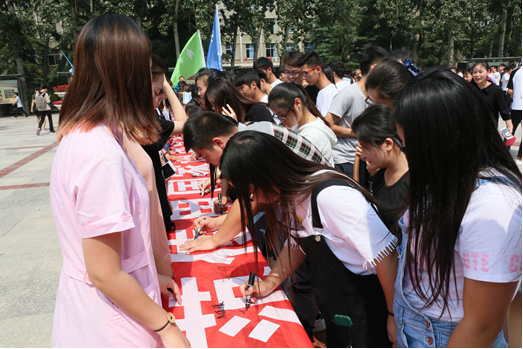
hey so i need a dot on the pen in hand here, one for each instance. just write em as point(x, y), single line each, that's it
point(252, 276)
point(220, 203)
point(197, 231)
point(203, 187)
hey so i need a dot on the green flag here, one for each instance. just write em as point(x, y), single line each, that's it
point(190, 60)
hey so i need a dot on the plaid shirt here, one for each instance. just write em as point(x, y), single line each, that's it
point(298, 144)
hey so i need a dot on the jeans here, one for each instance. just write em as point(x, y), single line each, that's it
point(347, 168)
point(419, 331)
point(20, 110)
point(43, 114)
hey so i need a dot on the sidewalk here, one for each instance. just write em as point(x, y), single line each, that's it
point(30, 256)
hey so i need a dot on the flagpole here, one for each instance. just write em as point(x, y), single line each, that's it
point(201, 46)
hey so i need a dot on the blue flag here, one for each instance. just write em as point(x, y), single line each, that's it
point(214, 55)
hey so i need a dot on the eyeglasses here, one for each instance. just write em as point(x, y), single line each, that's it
point(282, 117)
point(399, 143)
point(304, 73)
point(293, 73)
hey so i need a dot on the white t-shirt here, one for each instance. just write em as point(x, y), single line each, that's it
point(352, 229)
point(324, 99)
point(277, 82)
point(18, 102)
point(341, 85)
point(321, 136)
point(487, 249)
point(495, 79)
point(518, 91)
point(504, 81)
point(347, 105)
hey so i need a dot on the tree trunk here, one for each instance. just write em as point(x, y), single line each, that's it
point(509, 38)
point(503, 27)
point(390, 43)
point(20, 66)
point(176, 34)
point(492, 38)
point(45, 62)
point(233, 54)
point(74, 19)
point(472, 34)
point(450, 51)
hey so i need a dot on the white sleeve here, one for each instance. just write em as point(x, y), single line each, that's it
point(490, 237)
point(346, 213)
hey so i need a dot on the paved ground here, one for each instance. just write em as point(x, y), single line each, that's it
point(30, 256)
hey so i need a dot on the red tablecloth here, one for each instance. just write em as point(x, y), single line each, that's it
point(213, 313)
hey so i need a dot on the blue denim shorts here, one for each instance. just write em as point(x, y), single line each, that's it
point(418, 331)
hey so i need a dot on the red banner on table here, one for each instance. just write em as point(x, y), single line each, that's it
point(212, 313)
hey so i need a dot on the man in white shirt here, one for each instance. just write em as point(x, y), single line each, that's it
point(19, 107)
point(265, 64)
point(248, 83)
point(515, 89)
point(338, 71)
point(494, 75)
point(347, 106)
point(265, 87)
point(314, 75)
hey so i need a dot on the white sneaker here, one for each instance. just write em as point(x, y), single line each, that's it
point(319, 324)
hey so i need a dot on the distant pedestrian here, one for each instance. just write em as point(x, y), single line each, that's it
point(19, 107)
point(42, 101)
point(33, 108)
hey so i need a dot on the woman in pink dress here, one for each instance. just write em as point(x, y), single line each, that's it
point(109, 291)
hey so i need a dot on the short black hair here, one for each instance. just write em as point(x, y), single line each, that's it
point(371, 55)
point(43, 87)
point(263, 63)
point(193, 107)
point(339, 68)
point(400, 56)
point(311, 58)
point(245, 77)
point(199, 130)
point(193, 89)
point(262, 75)
point(292, 58)
point(16, 93)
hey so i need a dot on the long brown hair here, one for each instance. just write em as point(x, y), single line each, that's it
point(112, 81)
point(221, 91)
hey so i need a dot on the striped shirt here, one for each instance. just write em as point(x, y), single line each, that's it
point(298, 144)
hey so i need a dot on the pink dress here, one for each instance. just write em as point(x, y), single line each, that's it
point(96, 190)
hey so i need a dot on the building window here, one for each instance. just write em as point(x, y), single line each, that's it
point(270, 50)
point(249, 51)
point(228, 50)
point(54, 59)
point(309, 47)
point(291, 30)
point(271, 24)
point(290, 48)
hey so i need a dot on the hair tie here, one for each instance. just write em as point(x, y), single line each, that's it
point(411, 67)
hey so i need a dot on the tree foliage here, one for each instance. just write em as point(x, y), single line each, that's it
point(436, 31)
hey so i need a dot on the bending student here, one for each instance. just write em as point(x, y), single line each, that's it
point(328, 219)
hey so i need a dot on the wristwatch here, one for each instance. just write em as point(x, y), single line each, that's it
point(170, 320)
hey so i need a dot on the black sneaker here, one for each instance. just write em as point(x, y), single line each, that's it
point(38, 131)
point(52, 131)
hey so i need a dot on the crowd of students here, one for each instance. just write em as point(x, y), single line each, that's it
point(391, 204)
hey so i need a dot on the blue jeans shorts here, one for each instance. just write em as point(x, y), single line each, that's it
point(417, 331)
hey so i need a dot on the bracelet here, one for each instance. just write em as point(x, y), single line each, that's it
point(164, 326)
point(392, 314)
